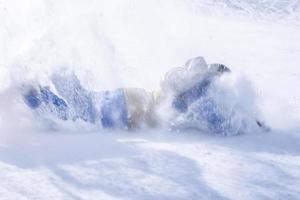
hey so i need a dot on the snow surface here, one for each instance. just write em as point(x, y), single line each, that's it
point(133, 43)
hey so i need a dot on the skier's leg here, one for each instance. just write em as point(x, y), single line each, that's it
point(45, 101)
point(78, 98)
point(31, 97)
point(76, 102)
point(113, 109)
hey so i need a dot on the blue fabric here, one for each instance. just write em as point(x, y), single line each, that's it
point(56, 105)
point(49, 97)
point(31, 99)
point(182, 101)
point(60, 106)
point(113, 109)
point(79, 100)
point(202, 107)
point(206, 109)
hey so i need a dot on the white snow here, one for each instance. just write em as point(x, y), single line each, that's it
point(121, 43)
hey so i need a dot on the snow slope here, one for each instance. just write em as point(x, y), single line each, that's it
point(270, 10)
point(133, 43)
point(151, 166)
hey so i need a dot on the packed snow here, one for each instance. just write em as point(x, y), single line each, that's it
point(125, 43)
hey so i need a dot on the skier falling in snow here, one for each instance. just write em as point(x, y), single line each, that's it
point(185, 93)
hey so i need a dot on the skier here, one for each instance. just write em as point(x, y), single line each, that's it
point(129, 108)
